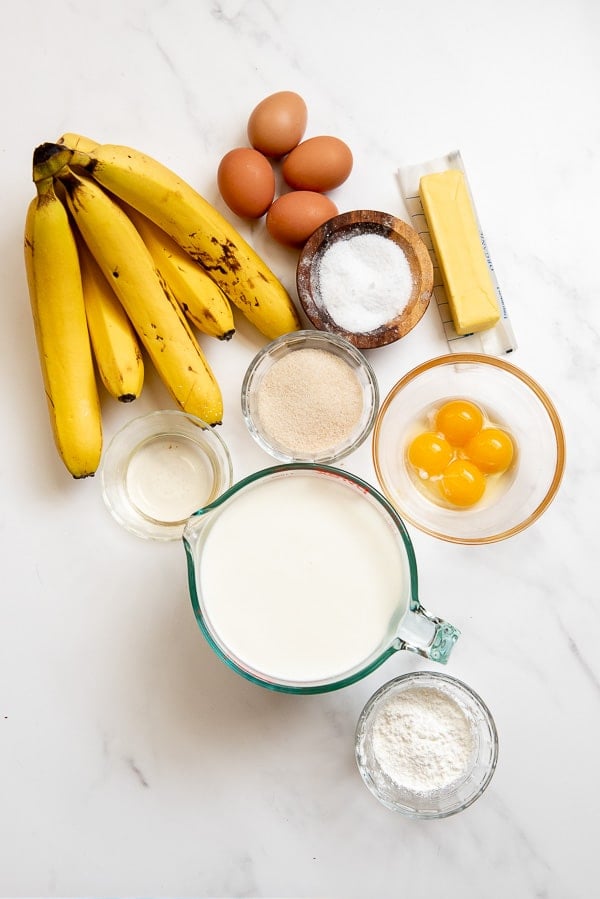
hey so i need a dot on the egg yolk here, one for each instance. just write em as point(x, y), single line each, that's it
point(462, 483)
point(430, 453)
point(459, 421)
point(491, 450)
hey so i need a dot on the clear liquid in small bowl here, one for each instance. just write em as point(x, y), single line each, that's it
point(169, 478)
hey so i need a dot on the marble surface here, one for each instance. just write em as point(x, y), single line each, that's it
point(132, 761)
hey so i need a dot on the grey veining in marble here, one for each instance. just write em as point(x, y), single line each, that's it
point(133, 762)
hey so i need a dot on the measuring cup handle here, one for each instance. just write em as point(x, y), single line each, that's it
point(428, 635)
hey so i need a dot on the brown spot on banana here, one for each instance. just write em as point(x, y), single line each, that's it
point(226, 263)
point(206, 261)
point(229, 251)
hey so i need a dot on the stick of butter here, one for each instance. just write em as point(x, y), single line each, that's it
point(455, 236)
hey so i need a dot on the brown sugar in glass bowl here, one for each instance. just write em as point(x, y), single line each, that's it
point(309, 397)
point(353, 224)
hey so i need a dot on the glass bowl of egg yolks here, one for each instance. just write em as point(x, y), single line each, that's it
point(468, 448)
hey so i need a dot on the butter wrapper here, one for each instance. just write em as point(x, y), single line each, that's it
point(499, 340)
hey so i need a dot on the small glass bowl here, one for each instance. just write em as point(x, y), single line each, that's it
point(159, 469)
point(445, 800)
point(282, 347)
point(512, 400)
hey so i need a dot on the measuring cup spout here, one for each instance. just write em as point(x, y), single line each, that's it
point(427, 635)
point(195, 525)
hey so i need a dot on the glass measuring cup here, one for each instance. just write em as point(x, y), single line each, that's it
point(303, 579)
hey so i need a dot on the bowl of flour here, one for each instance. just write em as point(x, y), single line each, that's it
point(426, 745)
point(366, 276)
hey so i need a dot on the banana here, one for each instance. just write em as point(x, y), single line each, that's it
point(77, 142)
point(63, 342)
point(202, 301)
point(173, 205)
point(159, 322)
point(114, 342)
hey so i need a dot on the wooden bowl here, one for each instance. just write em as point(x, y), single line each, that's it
point(350, 224)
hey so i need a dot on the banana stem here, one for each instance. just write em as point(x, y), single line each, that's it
point(67, 180)
point(48, 160)
point(45, 186)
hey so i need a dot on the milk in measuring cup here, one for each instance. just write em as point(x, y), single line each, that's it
point(302, 579)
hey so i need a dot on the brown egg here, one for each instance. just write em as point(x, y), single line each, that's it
point(278, 123)
point(246, 182)
point(294, 216)
point(319, 163)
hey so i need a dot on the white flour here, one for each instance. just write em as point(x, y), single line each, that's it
point(423, 740)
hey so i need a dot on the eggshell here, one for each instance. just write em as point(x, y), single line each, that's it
point(246, 182)
point(319, 163)
point(278, 123)
point(294, 216)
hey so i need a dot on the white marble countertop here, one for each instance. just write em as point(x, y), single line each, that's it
point(132, 761)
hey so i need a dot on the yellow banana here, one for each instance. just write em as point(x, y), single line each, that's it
point(114, 342)
point(77, 141)
point(159, 322)
point(198, 228)
point(56, 295)
point(202, 301)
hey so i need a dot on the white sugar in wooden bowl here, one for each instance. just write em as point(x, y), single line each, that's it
point(366, 276)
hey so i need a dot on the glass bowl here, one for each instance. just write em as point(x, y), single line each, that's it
point(437, 769)
point(159, 469)
point(311, 408)
point(363, 223)
point(513, 401)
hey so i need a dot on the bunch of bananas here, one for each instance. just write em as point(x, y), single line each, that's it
point(121, 254)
